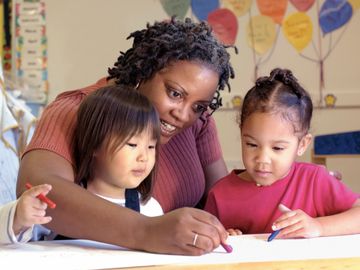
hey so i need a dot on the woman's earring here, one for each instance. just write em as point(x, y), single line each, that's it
point(137, 86)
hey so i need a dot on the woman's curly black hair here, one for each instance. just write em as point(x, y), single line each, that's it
point(168, 41)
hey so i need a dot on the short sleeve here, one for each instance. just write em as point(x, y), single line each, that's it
point(55, 127)
point(332, 196)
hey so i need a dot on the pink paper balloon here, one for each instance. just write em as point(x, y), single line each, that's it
point(302, 5)
point(224, 24)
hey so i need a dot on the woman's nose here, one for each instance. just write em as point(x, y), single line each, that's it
point(183, 114)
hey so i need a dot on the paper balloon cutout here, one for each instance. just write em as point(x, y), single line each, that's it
point(298, 30)
point(202, 8)
point(334, 14)
point(302, 5)
point(354, 3)
point(260, 33)
point(239, 7)
point(224, 24)
point(273, 8)
point(178, 8)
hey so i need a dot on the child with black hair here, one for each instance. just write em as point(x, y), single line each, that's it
point(275, 192)
point(114, 147)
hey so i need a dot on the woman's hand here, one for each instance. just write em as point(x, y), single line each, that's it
point(187, 231)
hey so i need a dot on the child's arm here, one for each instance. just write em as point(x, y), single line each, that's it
point(297, 223)
point(30, 210)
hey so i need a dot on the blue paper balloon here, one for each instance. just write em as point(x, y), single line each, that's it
point(201, 8)
point(334, 14)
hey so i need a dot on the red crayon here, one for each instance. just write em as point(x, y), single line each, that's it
point(43, 198)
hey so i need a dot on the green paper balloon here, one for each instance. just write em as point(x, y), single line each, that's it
point(178, 8)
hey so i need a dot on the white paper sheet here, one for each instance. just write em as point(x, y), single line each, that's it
point(84, 254)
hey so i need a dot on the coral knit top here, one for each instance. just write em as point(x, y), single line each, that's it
point(180, 179)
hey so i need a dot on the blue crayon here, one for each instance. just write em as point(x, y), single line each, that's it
point(284, 209)
point(273, 235)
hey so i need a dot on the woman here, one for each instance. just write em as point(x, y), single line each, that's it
point(181, 68)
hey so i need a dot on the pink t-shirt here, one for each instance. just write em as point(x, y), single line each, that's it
point(240, 204)
point(180, 179)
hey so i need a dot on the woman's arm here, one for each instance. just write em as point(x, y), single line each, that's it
point(80, 214)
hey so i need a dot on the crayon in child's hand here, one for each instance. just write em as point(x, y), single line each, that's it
point(43, 198)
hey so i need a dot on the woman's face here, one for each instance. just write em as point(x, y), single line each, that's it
point(180, 93)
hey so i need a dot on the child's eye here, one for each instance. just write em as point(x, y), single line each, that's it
point(251, 144)
point(278, 148)
point(132, 144)
point(151, 146)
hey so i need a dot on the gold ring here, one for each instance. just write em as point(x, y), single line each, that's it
point(195, 239)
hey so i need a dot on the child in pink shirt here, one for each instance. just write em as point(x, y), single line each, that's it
point(274, 124)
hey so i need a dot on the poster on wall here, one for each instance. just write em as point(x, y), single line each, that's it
point(31, 50)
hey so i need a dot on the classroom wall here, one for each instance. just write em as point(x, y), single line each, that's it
point(85, 37)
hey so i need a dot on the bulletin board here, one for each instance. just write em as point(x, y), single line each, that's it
point(30, 48)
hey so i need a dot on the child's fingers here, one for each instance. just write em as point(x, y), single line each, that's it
point(29, 202)
point(292, 231)
point(234, 231)
point(42, 220)
point(40, 189)
point(285, 220)
point(283, 208)
point(37, 220)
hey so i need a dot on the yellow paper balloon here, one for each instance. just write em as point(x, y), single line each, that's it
point(298, 29)
point(260, 33)
point(239, 7)
point(355, 4)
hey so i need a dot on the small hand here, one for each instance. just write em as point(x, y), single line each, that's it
point(296, 224)
point(30, 210)
point(234, 231)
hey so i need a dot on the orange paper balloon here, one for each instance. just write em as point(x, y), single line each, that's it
point(273, 8)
